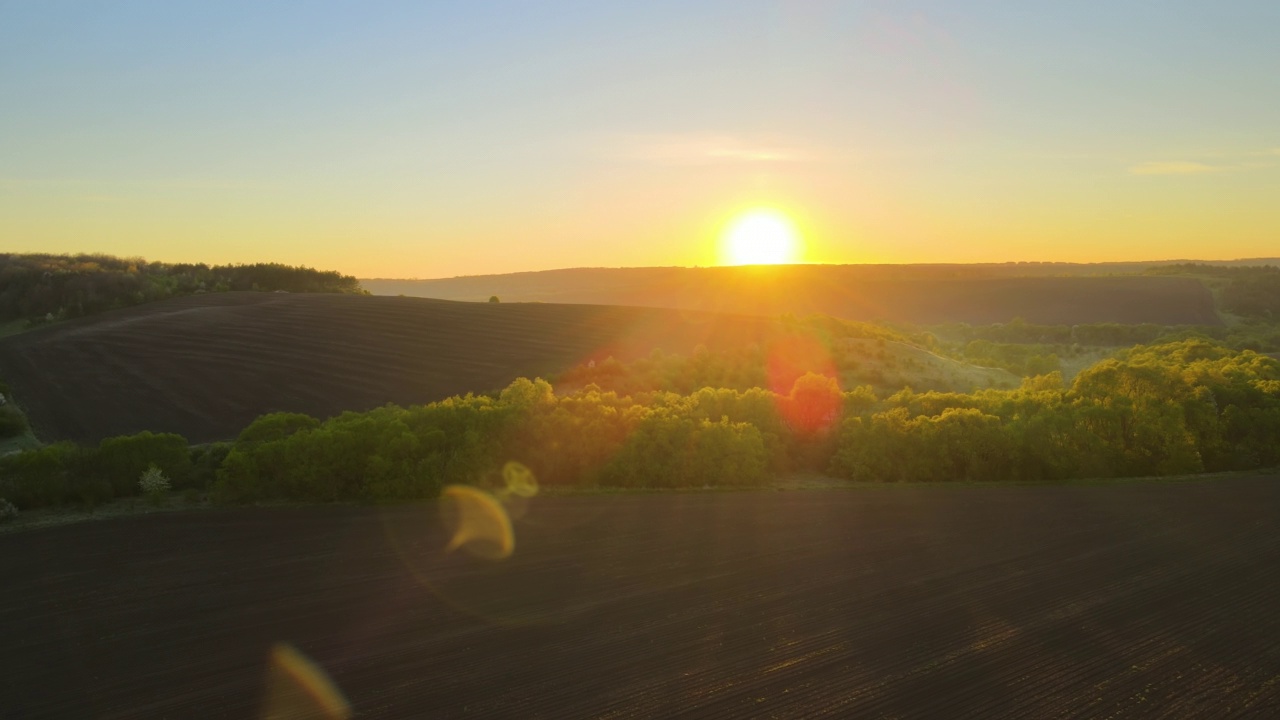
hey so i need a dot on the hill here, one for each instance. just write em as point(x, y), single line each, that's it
point(38, 287)
point(920, 294)
point(205, 366)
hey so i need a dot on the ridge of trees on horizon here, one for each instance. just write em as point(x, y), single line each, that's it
point(1251, 291)
point(1176, 408)
point(39, 287)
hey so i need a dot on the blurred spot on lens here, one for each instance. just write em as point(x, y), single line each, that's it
point(298, 689)
point(477, 522)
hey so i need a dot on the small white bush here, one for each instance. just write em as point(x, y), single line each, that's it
point(8, 510)
point(153, 482)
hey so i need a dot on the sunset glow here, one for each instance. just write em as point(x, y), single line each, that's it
point(475, 138)
point(760, 237)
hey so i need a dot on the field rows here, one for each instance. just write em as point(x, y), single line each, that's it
point(1139, 600)
point(206, 366)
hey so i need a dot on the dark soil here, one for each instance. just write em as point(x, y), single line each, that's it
point(206, 366)
point(1136, 600)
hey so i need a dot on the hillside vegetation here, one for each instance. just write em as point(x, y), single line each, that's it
point(13, 424)
point(1251, 292)
point(885, 364)
point(1169, 409)
point(924, 295)
point(642, 397)
point(41, 288)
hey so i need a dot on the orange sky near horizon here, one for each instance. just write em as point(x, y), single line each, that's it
point(467, 139)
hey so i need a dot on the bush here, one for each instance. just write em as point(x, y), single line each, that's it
point(39, 478)
point(205, 461)
point(121, 460)
point(8, 511)
point(669, 451)
point(12, 421)
point(276, 426)
point(154, 485)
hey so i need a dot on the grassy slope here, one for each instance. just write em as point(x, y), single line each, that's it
point(25, 441)
point(894, 365)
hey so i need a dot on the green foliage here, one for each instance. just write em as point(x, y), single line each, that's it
point(1250, 290)
point(666, 450)
point(121, 460)
point(44, 477)
point(740, 369)
point(1257, 295)
point(276, 426)
point(356, 456)
point(885, 363)
point(67, 474)
point(12, 422)
point(1168, 409)
point(1021, 332)
point(41, 287)
point(587, 438)
point(959, 444)
point(154, 485)
point(205, 461)
point(1174, 408)
point(1024, 360)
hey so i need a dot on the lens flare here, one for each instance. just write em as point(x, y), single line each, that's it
point(804, 379)
point(478, 523)
point(298, 688)
point(519, 480)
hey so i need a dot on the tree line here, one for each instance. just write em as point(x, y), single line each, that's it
point(1251, 291)
point(41, 287)
point(1183, 407)
point(12, 421)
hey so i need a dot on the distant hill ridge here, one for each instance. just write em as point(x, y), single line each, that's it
point(1049, 293)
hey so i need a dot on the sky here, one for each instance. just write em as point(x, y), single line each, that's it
point(433, 139)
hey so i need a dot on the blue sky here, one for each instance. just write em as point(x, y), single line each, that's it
point(433, 139)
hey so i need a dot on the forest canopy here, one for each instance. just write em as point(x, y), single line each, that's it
point(41, 287)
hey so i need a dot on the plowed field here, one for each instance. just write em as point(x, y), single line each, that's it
point(1130, 601)
point(205, 366)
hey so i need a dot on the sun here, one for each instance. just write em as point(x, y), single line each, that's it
point(759, 237)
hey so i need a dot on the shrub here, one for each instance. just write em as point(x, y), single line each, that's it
point(154, 484)
point(12, 422)
point(205, 461)
point(276, 426)
point(121, 460)
point(670, 451)
point(8, 510)
point(39, 478)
